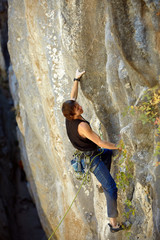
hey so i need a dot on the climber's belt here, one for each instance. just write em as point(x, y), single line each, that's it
point(90, 154)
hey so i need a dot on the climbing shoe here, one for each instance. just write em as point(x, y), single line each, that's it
point(113, 230)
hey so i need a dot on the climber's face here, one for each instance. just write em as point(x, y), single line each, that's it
point(78, 110)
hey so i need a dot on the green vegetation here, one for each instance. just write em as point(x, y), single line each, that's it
point(123, 181)
point(147, 111)
point(125, 168)
point(124, 178)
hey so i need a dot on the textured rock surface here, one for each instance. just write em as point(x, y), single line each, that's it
point(117, 43)
point(18, 215)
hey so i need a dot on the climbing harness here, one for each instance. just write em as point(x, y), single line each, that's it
point(83, 181)
point(81, 163)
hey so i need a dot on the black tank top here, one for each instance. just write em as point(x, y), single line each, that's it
point(80, 143)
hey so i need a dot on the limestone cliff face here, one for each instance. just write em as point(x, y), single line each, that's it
point(118, 44)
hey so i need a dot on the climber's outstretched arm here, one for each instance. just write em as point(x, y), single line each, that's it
point(74, 91)
point(85, 131)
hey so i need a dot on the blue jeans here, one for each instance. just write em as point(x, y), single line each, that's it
point(102, 173)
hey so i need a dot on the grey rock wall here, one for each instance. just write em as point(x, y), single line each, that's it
point(117, 43)
point(18, 215)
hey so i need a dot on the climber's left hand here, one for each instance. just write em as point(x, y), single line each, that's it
point(79, 74)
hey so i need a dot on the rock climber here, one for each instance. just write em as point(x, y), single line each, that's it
point(85, 139)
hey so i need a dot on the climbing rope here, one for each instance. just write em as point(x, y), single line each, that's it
point(84, 179)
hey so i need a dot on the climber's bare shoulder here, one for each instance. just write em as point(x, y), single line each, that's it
point(85, 131)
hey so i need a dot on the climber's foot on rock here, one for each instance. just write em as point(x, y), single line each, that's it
point(116, 228)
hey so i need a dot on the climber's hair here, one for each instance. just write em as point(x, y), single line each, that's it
point(68, 109)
